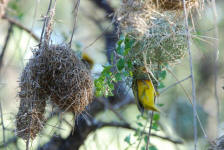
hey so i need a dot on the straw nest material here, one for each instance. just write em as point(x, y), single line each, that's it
point(54, 72)
point(72, 86)
point(65, 77)
point(218, 144)
point(30, 118)
point(164, 43)
point(133, 16)
point(174, 4)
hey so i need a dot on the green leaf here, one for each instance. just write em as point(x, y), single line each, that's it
point(156, 117)
point(120, 64)
point(143, 148)
point(128, 139)
point(155, 127)
point(140, 124)
point(152, 147)
point(160, 105)
point(161, 85)
point(145, 138)
point(118, 76)
point(162, 75)
point(120, 48)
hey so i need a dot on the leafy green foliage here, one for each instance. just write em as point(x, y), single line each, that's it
point(117, 72)
point(122, 70)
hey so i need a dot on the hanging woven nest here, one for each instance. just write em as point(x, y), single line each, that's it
point(175, 4)
point(133, 16)
point(71, 86)
point(164, 43)
point(54, 72)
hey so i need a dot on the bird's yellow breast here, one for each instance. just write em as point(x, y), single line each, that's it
point(146, 94)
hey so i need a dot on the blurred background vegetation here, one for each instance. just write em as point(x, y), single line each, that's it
point(110, 123)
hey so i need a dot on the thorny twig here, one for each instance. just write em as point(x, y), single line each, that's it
point(192, 76)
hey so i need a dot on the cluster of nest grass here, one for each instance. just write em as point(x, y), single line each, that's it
point(218, 144)
point(158, 31)
point(57, 74)
point(163, 44)
point(165, 5)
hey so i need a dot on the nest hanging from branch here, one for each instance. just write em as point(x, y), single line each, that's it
point(133, 16)
point(55, 73)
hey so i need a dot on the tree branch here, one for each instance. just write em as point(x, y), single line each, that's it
point(5, 44)
point(21, 26)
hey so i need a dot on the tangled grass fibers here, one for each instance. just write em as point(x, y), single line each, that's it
point(160, 37)
point(30, 118)
point(218, 144)
point(164, 43)
point(53, 73)
point(175, 4)
point(72, 86)
point(133, 16)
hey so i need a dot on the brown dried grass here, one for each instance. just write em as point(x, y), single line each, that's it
point(167, 5)
point(54, 72)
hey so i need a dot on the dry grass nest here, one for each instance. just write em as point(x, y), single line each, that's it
point(134, 16)
point(175, 4)
point(218, 144)
point(164, 43)
point(53, 73)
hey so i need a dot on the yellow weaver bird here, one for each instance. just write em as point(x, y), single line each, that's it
point(144, 93)
point(87, 60)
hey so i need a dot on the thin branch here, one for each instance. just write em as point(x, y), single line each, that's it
point(216, 46)
point(172, 85)
point(45, 21)
point(192, 76)
point(150, 129)
point(76, 9)
point(3, 126)
point(190, 100)
point(127, 126)
point(21, 26)
point(5, 44)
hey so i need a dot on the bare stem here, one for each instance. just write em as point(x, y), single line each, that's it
point(216, 46)
point(149, 133)
point(192, 76)
point(21, 26)
point(3, 126)
point(5, 44)
point(75, 17)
